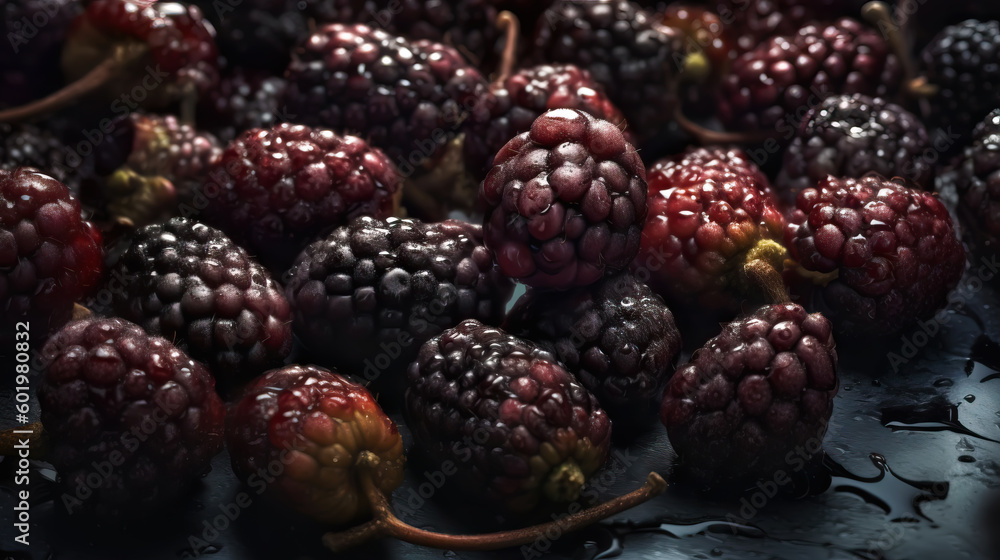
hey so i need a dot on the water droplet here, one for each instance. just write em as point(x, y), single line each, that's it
point(970, 398)
point(876, 383)
point(967, 458)
point(964, 445)
point(935, 416)
point(900, 498)
point(716, 551)
point(848, 387)
point(943, 382)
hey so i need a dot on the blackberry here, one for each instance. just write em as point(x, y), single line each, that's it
point(852, 135)
point(527, 429)
point(409, 99)
point(467, 25)
point(772, 86)
point(316, 424)
point(963, 60)
point(111, 393)
point(623, 47)
point(257, 33)
point(28, 145)
point(189, 283)
point(29, 63)
point(751, 396)
point(524, 96)
point(889, 252)
point(245, 99)
point(49, 255)
point(751, 22)
point(712, 219)
point(565, 201)
point(978, 178)
point(367, 296)
point(150, 162)
point(276, 190)
point(617, 337)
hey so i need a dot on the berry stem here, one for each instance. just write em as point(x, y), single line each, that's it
point(98, 77)
point(11, 440)
point(509, 23)
point(387, 524)
point(878, 14)
point(707, 136)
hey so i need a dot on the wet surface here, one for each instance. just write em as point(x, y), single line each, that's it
point(912, 458)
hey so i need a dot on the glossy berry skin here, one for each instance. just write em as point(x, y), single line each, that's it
point(189, 283)
point(111, 393)
point(894, 251)
point(245, 99)
point(623, 47)
point(852, 135)
point(49, 255)
point(29, 61)
point(771, 87)
point(758, 391)
point(565, 201)
point(276, 190)
point(467, 25)
point(709, 211)
point(28, 145)
point(181, 42)
point(751, 22)
point(368, 295)
point(527, 430)
point(617, 337)
point(524, 96)
point(978, 178)
point(963, 60)
point(407, 98)
point(315, 423)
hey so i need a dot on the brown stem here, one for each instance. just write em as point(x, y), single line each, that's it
point(763, 275)
point(880, 15)
point(387, 524)
point(97, 78)
point(707, 136)
point(509, 23)
point(10, 440)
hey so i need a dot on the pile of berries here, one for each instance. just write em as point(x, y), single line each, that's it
point(267, 234)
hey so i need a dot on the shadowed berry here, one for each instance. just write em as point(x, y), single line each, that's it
point(617, 337)
point(29, 61)
point(978, 178)
point(528, 429)
point(565, 202)
point(752, 395)
point(109, 393)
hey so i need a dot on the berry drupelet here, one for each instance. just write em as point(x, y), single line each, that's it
point(409, 99)
point(772, 86)
point(625, 49)
point(367, 296)
point(751, 22)
point(890, 253)
point(713, 220)
point(316, 424)
point(963, 61)
point(189, 283)
point(110, 392)
point(245, 99)
point(852, 135)
point(49, 255)
point(276, 190)
point(257, 33)
point(521, 428)
point(29, 145)
point(756, 392)
point(523, 97)
point(565, 201)
point(978, 179)
point(617, 337)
